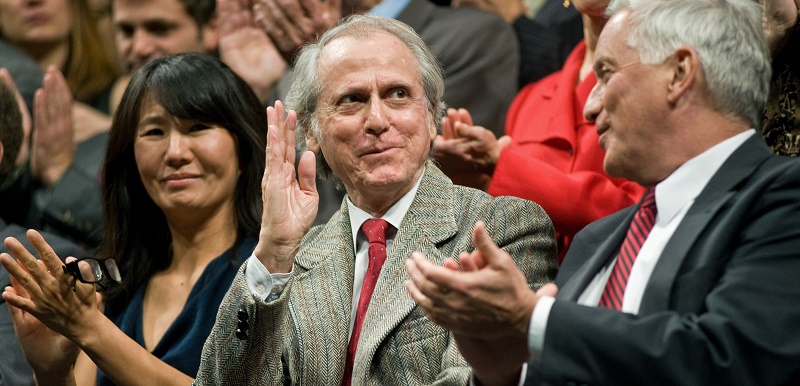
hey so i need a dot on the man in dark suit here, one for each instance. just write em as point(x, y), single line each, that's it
point(326, 305)
point(14, 370)
point(695, 285)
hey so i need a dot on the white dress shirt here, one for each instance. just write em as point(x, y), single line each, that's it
point(270, 286)
point(674, 196)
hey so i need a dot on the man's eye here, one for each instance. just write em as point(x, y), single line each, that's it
point(399, 93)
point(159, 29)
point(125, 30)
point(352, 98)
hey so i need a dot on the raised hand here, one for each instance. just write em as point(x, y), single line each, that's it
point(467, 153)
point(290, 200)
point(246, 48)
point(293, 23)
point(53, 146)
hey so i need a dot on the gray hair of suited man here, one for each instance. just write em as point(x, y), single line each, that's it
point(727, 36)
point(303, 96)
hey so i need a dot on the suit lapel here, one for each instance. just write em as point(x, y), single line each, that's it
point(598, 257)
point(719, 190)
point(322, 294)
point(430, 220)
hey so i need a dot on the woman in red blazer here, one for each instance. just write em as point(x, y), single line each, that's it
point(550, 153)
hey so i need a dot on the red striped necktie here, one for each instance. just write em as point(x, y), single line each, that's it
point(375, 229)
point(642, 223)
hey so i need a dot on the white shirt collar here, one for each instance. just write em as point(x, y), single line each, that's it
point(686, 182)
point(393, 216)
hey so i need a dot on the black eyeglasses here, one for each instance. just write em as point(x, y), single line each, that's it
point(93, 271)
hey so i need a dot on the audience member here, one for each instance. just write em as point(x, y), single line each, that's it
point(367, 97)
point(545, 40)
point(781, 122)
point(709, 294)
point(182, 200)
point(62, 33)
point(50, 192)
point(551, 155)
point(60, 191)
point(14, 370)
point(476, 48)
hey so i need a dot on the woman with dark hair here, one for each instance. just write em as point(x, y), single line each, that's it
point(182, 200)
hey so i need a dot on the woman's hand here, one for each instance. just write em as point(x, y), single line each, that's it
point(42, 290)
point(467, 153)
point(50, 354)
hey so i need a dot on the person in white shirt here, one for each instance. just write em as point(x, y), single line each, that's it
point(694, 285)
point(311, 306)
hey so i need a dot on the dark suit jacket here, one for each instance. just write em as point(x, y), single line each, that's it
point(72, 208)
point(14, 369)
point(301, 338)
point(722, 305)
point(480, 56)
point(546, 40)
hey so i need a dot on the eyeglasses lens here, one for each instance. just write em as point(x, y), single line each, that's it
point(90, 270)
point(113, 270)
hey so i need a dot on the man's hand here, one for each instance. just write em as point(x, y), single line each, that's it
point(247, 49)
point(467, 153)
point(780, 18)
point(290, 200)
point(53, 147)
point(292, 23)
point(485, 302)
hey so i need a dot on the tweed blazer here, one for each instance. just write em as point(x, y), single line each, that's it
point(301, 337)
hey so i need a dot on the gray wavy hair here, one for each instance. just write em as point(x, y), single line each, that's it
point(727, 35)
point(306, 86)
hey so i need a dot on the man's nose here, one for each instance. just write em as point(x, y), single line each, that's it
point(377, 120)
point(142, 44)
point(594, 105)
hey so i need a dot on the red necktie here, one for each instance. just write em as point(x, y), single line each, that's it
point(642, 223)
point(375, 230)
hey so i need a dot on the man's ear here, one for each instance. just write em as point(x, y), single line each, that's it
point(311, 142)
point(1, 152)
point(685, 69)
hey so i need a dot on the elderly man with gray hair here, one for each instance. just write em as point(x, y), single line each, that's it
point(327, 305)
point(696, 284)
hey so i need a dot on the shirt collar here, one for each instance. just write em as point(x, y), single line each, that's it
point(686, 182)
point(389, 8)
point(393, 216)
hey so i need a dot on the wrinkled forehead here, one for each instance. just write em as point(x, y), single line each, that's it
point(356, 56)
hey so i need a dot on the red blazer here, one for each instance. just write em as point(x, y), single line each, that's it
point(554, 159)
